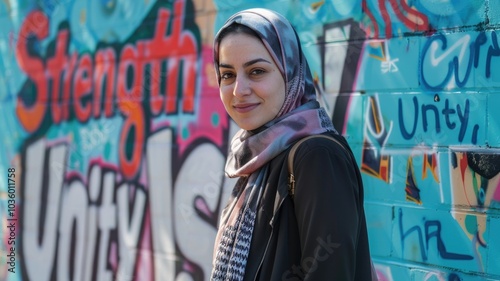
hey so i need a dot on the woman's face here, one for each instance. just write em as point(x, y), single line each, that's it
point(251, 87)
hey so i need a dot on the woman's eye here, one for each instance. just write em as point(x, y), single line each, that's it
point(257, 71)
point(226, 75)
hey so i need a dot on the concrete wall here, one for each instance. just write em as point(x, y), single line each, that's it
point(113, 138)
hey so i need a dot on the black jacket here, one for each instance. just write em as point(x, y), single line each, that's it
point(321, 233)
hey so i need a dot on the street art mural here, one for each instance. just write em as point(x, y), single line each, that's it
point(113, 139)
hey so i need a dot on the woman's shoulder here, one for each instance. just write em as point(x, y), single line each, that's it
point(326, 143)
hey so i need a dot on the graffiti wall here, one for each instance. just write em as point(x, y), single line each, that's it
point(113, 139)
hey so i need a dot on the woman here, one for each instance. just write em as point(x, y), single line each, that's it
point(264, 233)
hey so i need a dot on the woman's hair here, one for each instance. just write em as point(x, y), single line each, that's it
point(237, 28)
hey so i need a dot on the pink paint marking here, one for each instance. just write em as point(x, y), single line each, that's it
point(496, 194)
point(209, 107)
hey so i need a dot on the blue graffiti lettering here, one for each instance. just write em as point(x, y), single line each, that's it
point(436, 52)
point(428, 235)
point(493, 50)
point(432, 110)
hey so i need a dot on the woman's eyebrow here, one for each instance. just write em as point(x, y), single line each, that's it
point(246, 64)
point(225, 65)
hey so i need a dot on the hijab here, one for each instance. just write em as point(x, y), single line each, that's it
point(251, 151)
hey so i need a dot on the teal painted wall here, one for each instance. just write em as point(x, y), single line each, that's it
point(113, 138)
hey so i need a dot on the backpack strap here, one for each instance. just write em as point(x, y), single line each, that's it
point(291, 155)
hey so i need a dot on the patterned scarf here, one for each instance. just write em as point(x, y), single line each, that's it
point(250, 151)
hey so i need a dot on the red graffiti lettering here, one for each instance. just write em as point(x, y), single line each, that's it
point(83, 87)
point(156, 100)
point(67, 90)
point(55, 68)
point(104, 81)
point(414, 19)
point(411, 18)
point(31, 116)
point(179, 46)
point(129, 103)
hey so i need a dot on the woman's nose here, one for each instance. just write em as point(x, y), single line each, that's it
point(241, 87)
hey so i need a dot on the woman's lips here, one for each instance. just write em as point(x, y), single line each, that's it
point(245, 107)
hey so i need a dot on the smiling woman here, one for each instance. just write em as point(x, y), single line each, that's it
point(251, 85)
point(265, 234)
